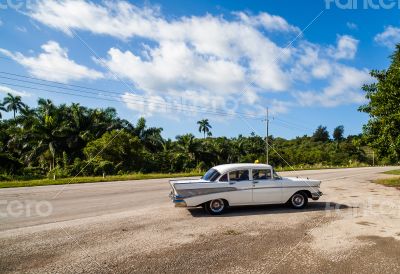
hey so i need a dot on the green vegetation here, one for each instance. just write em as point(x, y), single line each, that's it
point(382, 132)
point(393, 172)
point(71, 140)
point(391, 182)
point(204, 126)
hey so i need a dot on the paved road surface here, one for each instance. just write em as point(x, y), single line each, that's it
point(126, 227)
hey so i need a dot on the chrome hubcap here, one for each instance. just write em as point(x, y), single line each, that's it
point(217, 205)
point(298, 200)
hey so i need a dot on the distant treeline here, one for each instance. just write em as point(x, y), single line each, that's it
point(72, 139)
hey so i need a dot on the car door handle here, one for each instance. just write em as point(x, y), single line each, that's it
point(232, 183)
point(255, 182)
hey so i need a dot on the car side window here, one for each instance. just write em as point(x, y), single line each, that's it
point(224, 178)
point(239, 175)
point(261, 174)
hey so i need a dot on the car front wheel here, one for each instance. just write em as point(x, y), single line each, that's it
point(299, 200)
point(216, 207)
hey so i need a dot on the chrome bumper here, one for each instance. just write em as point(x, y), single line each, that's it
point(180, 203)
point(177, 200)
point(316, 195)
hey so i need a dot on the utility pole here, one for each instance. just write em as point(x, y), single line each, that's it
point(266, 120)
point(373, 158)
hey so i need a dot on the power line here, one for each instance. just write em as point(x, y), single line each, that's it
point(156, 102)
point(65, 86)
point(179, 106)
point(55, 82)
point(142, 100)
point(287, 126)
point(292, 123)
point(141, 103)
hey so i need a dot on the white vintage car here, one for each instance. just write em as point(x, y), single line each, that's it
point(243, 184)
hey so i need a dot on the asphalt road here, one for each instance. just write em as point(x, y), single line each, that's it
point(132, 227)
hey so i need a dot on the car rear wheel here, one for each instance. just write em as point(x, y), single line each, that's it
point(216, 207)
point(299, 200)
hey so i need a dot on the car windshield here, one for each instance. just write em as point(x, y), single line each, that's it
point(211, 175)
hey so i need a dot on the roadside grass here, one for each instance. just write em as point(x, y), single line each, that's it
point(393, 172)
point(93, 179)
point(317, 167)
point(391, 182)
point(21, 181)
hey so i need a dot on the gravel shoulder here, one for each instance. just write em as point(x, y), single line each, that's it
point(131, 227)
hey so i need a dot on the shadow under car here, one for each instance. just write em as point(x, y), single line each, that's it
point(269, 209)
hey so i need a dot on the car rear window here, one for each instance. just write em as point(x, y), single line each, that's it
point(239, 175)
point(211, 175)
point(261, 174)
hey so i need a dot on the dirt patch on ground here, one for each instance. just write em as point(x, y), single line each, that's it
point(365, 223)
point(260, 251)
point(265, 252)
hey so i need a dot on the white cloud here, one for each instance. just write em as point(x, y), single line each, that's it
point(322, 70)
point(389, 37)
point(207, 60)
point(278, 107)
point(146, 108)
point(5, 90)
point(53, 64)
point(119, 19)
point(175, 66)
point(268, 22)
point(203, 50)
point(188, 102)
point(346, 48)
point(343, 88)
point(124, 20)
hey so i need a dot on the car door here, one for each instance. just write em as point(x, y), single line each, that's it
point(266, 190)
point(240, 180)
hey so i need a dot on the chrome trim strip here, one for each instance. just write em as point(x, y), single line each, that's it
point(281, 187)
point(187, 193)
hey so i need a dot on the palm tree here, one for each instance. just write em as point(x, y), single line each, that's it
point(27, 117)
point(151, 137)
point(2, 108)
point(188, 145)
point(204, 126)
point(45, 106)
point(13, 103)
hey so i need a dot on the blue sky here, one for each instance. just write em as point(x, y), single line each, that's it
point(219, 56)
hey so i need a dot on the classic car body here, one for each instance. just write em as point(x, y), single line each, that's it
point(243, 184)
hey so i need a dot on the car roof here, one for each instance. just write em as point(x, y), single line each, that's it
point(227, 167)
